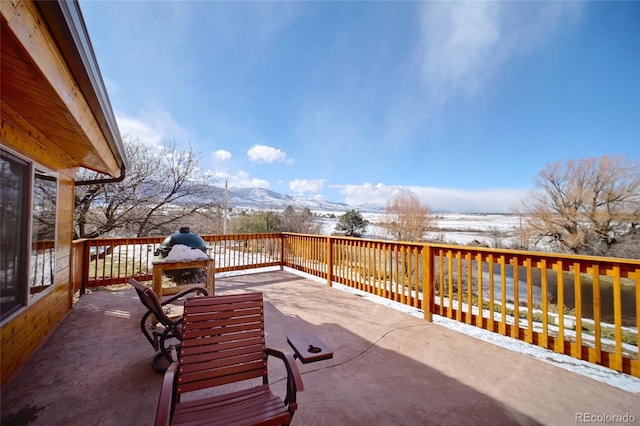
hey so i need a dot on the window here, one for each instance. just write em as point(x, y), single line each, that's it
point(43, 232)
point(27, 231)
point(14, 175)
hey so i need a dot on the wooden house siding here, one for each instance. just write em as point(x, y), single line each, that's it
point(53, 116)
point(25, 331)
point(28, 329)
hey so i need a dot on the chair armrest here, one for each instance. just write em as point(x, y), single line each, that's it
point(166, 399)
point(291, 366)
point(294, 378)
point(183, 293)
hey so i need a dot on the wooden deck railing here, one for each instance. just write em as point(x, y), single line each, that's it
point(42, 265)
point(586, 307)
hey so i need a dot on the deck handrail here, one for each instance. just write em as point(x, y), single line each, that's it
point(583, 306)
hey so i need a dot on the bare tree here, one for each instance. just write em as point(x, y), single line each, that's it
point(409, 219)
point(255, 223)
point(588, 206)
point(162, 188)
point(302, 222)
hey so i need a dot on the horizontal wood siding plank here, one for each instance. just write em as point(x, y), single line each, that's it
point(22, 335)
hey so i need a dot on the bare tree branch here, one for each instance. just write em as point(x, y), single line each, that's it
point(588, 206)
point(408, 219)
point(162, 188)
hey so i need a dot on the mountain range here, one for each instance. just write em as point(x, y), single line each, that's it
point(265, 199)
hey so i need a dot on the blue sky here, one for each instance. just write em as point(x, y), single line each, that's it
point(462, 103)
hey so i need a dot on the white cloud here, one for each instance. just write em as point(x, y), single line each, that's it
point(151, 127)
point(438, 199)
point(241, 179)
point(304, 185)
point(223, 175)
point(216, 174)
point(498, 200)
point(267, 154)
point(138, 129)
point(222, 155)
point(459, 38)
point(465, 44)
point(367, 193)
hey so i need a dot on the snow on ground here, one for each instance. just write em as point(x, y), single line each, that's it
point(603, 374)
point(453, 228)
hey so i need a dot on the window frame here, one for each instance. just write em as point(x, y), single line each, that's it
point(25, 268)
point(44, 174)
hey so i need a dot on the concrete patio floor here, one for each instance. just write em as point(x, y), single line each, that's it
point(389, 368)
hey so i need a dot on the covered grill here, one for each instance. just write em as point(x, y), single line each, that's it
point(191, 240)
point(185, 237)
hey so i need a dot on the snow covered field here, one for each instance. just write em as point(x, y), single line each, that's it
point(453, 228)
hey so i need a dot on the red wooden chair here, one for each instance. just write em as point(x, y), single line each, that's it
point(164, 333)
point(223, 342)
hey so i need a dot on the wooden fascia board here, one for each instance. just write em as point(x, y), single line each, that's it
point(66, 24)
point(27, 24)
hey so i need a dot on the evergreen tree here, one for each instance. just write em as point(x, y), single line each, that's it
point(352, 224)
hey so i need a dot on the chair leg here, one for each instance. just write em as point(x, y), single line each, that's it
point(165, 357)
point(160, 363)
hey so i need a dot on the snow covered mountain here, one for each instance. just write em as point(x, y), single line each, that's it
point(265, 199)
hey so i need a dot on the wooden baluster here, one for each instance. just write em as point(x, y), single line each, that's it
point(491, 263)
point(576, 347)
point(617, 317)
point(480, 290)
point(529, 331)
point(515, 330)
point(503, 295)
point(469, 315)
point(544, 282)
point(559, 342)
